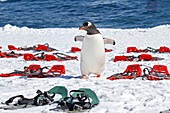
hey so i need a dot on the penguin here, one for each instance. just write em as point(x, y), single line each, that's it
point(92, 52)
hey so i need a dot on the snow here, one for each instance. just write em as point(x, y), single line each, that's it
point(119, 96)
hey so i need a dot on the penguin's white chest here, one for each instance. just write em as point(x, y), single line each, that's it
point(92, 55)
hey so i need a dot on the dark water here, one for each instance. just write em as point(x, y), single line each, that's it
point(72, 13)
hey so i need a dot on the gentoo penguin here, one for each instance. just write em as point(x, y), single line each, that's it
point(92, 52)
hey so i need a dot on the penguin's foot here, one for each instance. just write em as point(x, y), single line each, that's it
point(84, 77)
point(95, 75)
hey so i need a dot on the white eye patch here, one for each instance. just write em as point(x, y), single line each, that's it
point(89, 23)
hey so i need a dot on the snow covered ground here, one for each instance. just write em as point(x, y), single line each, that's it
point(120, 96)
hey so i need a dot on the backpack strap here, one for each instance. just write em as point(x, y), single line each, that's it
point(21, 101)
point(63, 56)
point(43, 98)
point(39, 100)
point(77, 100)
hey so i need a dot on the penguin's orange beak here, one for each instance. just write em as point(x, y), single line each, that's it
point(81, 28)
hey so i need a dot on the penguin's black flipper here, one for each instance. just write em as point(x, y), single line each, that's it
point(109, 41)
point(79, 38)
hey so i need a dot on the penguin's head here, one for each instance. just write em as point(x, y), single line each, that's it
point(90, 28)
